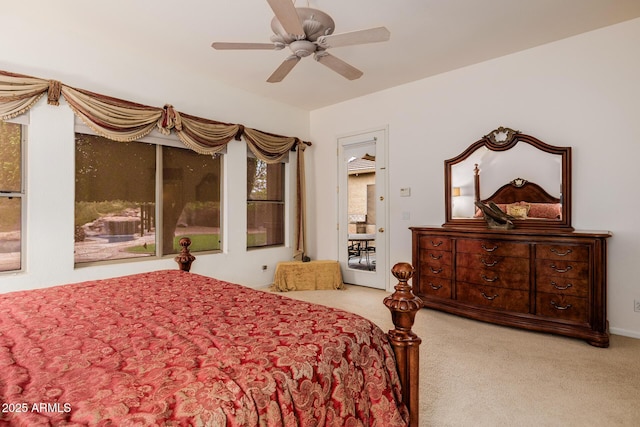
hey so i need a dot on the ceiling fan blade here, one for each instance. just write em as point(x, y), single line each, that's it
point(372, 35)
point(338, 65)
point(231, 46)
point(284, 68)
point(287, 15)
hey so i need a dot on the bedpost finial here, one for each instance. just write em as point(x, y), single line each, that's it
point(184, 259)
point(402, 271)
point(403, 303)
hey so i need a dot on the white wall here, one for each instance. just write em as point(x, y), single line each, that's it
point(583, 92)
point(54, 52)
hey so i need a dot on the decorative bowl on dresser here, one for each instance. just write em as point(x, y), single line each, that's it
point(539, 274)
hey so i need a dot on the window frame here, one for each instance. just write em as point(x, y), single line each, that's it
point(158, 140)
point(23, 121)
point(286, 203)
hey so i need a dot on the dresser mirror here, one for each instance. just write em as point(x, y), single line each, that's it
point(526, 178)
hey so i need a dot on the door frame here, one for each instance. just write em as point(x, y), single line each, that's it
point(379, 278)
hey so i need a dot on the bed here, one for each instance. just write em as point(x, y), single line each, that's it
point(176, 348)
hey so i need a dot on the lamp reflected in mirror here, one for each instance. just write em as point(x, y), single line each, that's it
point(455, 200)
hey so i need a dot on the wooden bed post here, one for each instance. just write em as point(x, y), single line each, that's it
point(406, 344)
point(476, 184)
point(184, 259)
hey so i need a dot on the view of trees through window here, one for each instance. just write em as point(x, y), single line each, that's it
point(265, 204)
point(10, 196)
point(115, 209)
point(191, 200)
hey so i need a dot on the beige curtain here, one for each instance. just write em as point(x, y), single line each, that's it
point(269, 147)
point(122, 120)
point(18, 93)
point(206, 136)
point(126, 121)
point(113, 118)
point(300, 235)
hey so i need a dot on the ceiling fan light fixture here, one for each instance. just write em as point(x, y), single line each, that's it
point(308, 31)
point(302, 48)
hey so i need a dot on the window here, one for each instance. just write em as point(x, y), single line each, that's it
point(265, 203)
point(128, 207)
point(191, 200)
point(11, 195)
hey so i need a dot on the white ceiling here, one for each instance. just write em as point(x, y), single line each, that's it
point(428, 37)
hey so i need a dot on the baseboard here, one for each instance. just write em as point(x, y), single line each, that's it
point(624, 333)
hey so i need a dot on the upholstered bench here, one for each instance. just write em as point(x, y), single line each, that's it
point(298, 276)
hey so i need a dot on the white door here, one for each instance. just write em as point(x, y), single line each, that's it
point(362, 208)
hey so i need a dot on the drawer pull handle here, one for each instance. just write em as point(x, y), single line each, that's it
point(557, 252)
point(489, 249)
point(490, 298)
point(561, 270)
point(488, 264)
point(487, 279)
point(432, 256)
point(560, 307)
point(434, 287)
point(435, 271)
point(434, 244)
point(561, 288)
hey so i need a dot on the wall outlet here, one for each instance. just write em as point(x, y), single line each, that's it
point(636, 305)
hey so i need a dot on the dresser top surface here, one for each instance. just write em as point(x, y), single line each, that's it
point(512, 232)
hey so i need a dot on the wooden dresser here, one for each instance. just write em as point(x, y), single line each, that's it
point(547, 281)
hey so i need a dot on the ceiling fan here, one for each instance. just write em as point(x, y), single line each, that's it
point(308, 31)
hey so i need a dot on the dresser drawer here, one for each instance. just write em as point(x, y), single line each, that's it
point(563, 285)
point(489, 296)
point(563, 252)
point(435, 286)
point(494, 247)
point(435, 242)
point(435, 269)
point(489, 277)
point(432, 256)
point(493, 262)
point(562, 269)
point(562, 307)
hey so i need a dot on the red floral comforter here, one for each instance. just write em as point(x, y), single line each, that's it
point(178, 349)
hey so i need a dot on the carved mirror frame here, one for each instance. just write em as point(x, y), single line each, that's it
point(503, 139)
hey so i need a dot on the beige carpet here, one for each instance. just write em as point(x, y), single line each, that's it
point(477, 374)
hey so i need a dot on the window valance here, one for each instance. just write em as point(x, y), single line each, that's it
point(19, 93)
point(122, 120)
